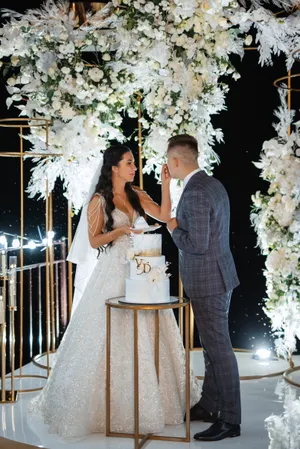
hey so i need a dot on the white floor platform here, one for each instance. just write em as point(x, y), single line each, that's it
point(258, 402)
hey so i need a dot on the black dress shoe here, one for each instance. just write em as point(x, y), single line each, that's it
point(218, 431)
point(198, 413)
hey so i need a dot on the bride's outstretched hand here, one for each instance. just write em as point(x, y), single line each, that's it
point(165, 175)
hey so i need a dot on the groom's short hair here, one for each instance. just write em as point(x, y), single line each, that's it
point(189, 147)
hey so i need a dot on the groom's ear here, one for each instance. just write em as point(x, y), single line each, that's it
point(176, 162)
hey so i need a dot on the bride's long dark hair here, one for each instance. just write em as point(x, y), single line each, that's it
point(111, 157)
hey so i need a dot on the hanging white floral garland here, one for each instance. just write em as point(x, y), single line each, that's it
point(178, 52)
point(276, 219)
point(47, 52)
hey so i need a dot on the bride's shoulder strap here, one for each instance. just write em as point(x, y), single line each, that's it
point(95, 214)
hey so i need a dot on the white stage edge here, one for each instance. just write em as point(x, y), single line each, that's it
point(258, 402)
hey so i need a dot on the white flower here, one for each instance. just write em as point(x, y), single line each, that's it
point(106, 57)
point(14, 60)
point(157, 273)
point(248, 40)
point(96, 74)
point(11, 81)
point(67, 113)
point(66, 70)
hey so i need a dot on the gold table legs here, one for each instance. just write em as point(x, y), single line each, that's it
point(141, 439)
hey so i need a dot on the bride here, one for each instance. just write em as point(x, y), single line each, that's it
point(72, 402)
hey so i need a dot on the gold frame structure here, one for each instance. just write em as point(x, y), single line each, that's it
point(10, 395)
point(290, 89)
point(112, 303)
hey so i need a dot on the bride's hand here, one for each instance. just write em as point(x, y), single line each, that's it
point(165, 174)
point(126, 230)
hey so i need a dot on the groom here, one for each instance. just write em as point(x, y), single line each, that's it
point(201, 233)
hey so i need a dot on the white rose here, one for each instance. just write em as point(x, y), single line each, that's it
point(248, 40)
point(11, 81)
point(106, 57)
point(14, 60)
point(66, 70)
point(96, 74)
point(79, 67)
point(177, 119)
point(149, 7)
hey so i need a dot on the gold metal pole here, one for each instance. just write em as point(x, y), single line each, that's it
point(12, 321)
point(187, 373)
point(289, 97)
point(289, 104)
point(47, 284)
point(140, 143)
point(180, 312)
point(28, 154)
point(156, 345)
point(21, 247)
point(51, 255)
point(108, 348)
point(70, 274)
point(3, 360)
point(136, 379)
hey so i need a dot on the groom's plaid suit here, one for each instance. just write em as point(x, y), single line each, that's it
point(208, 274)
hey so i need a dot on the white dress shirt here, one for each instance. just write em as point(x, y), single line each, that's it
point(188, 177)
point(185, 181)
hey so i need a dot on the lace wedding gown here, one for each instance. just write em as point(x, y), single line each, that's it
point(72, 402)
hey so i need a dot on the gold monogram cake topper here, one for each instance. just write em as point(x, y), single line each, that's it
point(142, 267)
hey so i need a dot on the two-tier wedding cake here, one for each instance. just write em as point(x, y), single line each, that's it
point(148, 281)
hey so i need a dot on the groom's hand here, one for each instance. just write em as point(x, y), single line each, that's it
point(172, 224)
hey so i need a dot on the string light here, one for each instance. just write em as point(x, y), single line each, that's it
point(16, 243)
point(3, 242)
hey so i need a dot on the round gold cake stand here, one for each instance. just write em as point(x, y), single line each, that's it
point(118, 303)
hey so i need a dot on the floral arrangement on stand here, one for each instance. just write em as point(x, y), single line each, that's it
point(276, 219)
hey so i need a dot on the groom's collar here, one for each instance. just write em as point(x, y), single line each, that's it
point(188, 177)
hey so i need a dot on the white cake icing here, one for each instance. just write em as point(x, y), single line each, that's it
point(140, 223)
point(148, 281)
point(147, 292)
point(147, 244)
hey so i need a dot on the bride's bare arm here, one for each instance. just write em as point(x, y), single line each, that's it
point(160, 212)
point(96, 222)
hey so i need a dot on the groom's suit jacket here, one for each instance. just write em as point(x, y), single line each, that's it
point(205, 261)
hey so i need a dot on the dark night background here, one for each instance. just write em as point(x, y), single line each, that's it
point(246, 124)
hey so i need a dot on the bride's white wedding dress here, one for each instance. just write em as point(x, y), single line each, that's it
point(73, 401)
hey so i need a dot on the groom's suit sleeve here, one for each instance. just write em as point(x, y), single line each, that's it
point(194, 238)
